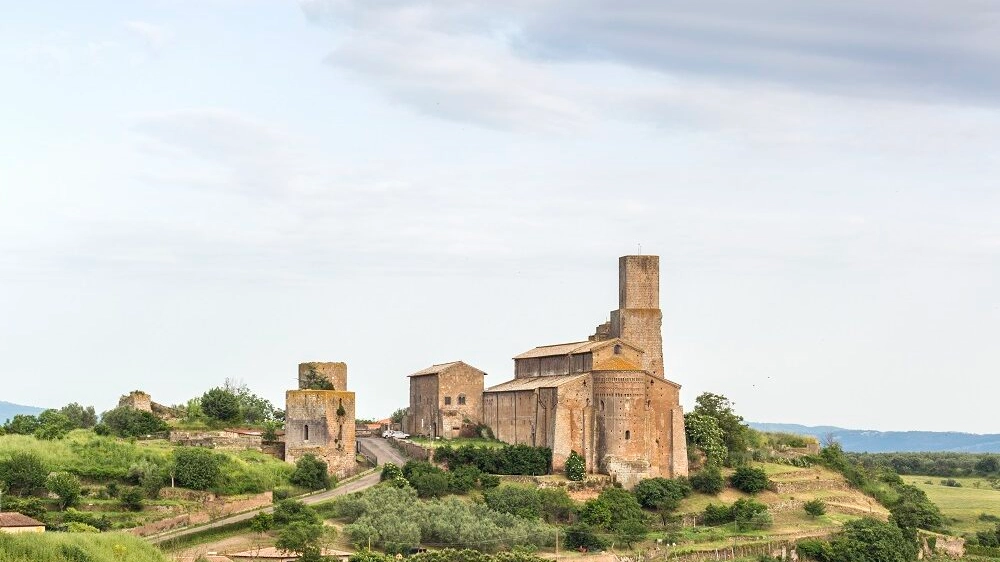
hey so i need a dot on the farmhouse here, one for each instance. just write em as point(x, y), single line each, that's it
point(13, 522)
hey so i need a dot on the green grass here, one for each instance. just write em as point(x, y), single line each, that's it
point(71, 547)
point(458, 442)
point(961, 506)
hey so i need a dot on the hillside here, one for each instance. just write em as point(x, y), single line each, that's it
point(9, 410)
point(868, 441)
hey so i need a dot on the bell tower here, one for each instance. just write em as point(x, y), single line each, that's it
point(638, 319)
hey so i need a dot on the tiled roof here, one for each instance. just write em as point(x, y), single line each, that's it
point(14, 519)
point(532, 383)
point(570, 348)
point(435, 369)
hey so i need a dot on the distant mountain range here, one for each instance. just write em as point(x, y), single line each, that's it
point(8, 410)
point(867, 441)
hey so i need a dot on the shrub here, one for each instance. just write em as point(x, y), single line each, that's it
point(310, 472)
point(750, 480)
point(871, 540)
point(24, 473)
point(583, 536)
point(814, 549)
point(196, 468)
point(717, 514)
point(951, 483)
point(508, 459)
point(575, 467)
point(131, 499)
point(815, 507)
point(708, 480)
point(515, 500)
point(390, 471)
point(557, 506)
point(662, 493)
point(128, 422)
point(221, 404)
point(65, 486)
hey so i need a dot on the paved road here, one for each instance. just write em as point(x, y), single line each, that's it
point(384, 453)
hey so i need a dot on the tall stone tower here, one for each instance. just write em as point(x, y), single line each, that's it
point(638, 319)
point(321, 422)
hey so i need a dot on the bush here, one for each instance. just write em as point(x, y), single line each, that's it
point(515, 500)
point(557, 506)
point(390, 471)
point(196, 468)
point(583, 536)
point(131, 499)
point(576, 467)
point(65, 486)
point(128, 422)
point(24, 473)
point(509, 459)
point(815, 507)
point(750, 480)
point(951, 483)
point(310, 472)
point(221, 404)
point(871, 540)
point(814, 549)
point(662, 493)
point(708, 480)
point(717, 514)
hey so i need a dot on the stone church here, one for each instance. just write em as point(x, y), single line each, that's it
point(605, 397)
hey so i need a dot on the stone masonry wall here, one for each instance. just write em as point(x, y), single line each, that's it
point(336, 373)
point(422, 416)
point(321, 423)
point(638, 319)
point(457, 384)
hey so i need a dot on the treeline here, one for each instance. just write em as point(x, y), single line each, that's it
point(508, 459)
point(932, 464)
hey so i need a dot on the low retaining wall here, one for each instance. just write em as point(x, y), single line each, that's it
point(211, 508)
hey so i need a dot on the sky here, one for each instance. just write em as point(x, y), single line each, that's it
point(196, 190)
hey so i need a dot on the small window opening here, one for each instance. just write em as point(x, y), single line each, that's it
point(628, 435)
point(618, 349)
point(305, 429)
point(447, 400)
point(602, 405)
point(461, 400)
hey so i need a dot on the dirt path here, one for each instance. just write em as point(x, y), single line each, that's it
point(384, 451)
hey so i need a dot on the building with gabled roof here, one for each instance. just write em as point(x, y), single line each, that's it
point(445, 400)
point(605, 397)
point(14, 522)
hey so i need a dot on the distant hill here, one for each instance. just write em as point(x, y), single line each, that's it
point(8, 410)
point(867, 441)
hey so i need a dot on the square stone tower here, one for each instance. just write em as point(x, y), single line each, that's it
point(638, 319)
point(321, 422)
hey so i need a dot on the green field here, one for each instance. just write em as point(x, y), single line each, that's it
point(961, 506)
point(60, 547)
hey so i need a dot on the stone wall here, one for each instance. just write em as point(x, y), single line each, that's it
point(336, 373)
point(321, 423)
point(423, 413)
point(137, 400)
point(225, 440)
point(638, 319)
point(458, 384)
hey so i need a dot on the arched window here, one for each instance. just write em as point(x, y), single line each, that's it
point(461, 400)
point(602, 405)
point(618, 349)
point(305, 430)
point(628, 435)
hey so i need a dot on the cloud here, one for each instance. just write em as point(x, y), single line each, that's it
point(546, 65)
point(155, 36)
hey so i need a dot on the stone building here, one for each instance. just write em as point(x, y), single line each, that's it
point(605, 397)
point(443, 399)
point(322, 422)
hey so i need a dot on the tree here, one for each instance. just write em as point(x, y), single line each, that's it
point(131, 499)
point(129, 422)
point(750, 480)
point(575, 467)
point(871, 540)
point(314, 380)
point(301, 537)
point(21, 424)
point(288, 511)
point(704, 433)
point(584, 536)
point(252, 408)
point(662, 493)
point(988, 465)
point(815, 508)
point(221, 404)
point(262, 523)
point(196, 468)
point(53, 425)
point(310, 472)
point(736, 435)
point(66, 487)
point(557, 506)
point(80, 416)
point(515, 500)
point(24, 473)
point(708, 480)
point(398, 415)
